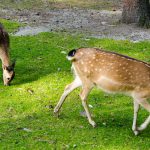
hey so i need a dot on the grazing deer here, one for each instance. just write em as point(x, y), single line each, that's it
point(8, 69)
point(113, 73)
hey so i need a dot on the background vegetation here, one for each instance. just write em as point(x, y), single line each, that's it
point(28, 4)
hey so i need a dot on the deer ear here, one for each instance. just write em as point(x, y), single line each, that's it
point(4, 67)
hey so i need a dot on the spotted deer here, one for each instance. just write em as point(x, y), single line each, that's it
point(8, 68)
point(113, 73)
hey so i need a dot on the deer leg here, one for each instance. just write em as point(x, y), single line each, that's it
point(145, 124)
point(146, 105)
point(84, 93)
point(69, 88)
point(134, 125)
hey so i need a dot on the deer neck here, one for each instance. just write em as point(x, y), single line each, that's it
point(4, 56)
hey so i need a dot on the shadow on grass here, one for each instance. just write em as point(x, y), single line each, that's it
point(37, 56)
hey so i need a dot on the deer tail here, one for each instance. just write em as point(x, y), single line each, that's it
point(71, 55)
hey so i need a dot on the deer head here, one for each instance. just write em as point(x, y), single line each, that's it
point(8, 73)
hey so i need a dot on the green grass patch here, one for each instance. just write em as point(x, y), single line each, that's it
point(11, 26)
point(42, 71)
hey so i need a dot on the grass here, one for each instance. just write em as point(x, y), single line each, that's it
point(42, 71)
point(11, 26)
point(56, 4)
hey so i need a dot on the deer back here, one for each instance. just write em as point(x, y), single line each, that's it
point(111, 71)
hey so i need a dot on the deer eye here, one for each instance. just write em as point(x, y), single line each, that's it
point(8, 78)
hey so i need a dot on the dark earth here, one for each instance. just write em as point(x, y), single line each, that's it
point(89, 22)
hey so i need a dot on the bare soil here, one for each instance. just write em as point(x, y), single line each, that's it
point(90, 22)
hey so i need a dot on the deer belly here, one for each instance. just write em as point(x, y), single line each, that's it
point(111, 86)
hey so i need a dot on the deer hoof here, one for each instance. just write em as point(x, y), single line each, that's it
point(56, 113)
point(136, 132)
point(93, 124)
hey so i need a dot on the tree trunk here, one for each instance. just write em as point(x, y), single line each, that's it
point(136, 11)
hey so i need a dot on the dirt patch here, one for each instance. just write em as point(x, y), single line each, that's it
point(95, 23)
